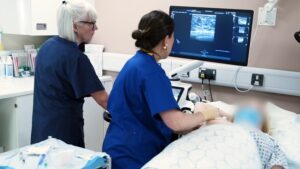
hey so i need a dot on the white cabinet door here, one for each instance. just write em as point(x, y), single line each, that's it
point(94, 125)
point(15, 121)
point(24, 105)
point(8, 127)
point(29, 17)
point(43, 14)
point(15, 16)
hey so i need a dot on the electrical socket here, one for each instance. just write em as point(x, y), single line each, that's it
point(266, 18)
point(257, 79)
point(208, 74)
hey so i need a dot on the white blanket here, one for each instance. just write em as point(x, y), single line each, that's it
point(58, 155)
point(220, 146)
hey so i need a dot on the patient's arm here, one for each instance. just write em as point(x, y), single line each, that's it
point(218, 121)
point(181, 122)
point(277, 167)
point(227, 115)
point(204, 106)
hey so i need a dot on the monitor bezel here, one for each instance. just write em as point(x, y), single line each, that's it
point(180, 92)
point(251, 12)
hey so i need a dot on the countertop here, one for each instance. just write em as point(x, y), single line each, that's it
point(12, 87)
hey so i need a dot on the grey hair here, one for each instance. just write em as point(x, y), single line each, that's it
point(70, 12)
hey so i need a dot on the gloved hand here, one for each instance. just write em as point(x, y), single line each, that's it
point(208, 111)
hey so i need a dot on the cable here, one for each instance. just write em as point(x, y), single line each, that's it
point(252, 42)
point(239, 68)
point(211, 97)
point(254, 36)
point(202, 86)
point(235, 82)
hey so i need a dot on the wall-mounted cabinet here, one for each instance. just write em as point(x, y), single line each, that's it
point(29, 17)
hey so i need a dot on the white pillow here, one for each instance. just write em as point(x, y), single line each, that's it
point(279, 116)
point(285, 128)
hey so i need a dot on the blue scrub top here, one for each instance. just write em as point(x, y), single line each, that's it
point(63, 77)
point(137, 133)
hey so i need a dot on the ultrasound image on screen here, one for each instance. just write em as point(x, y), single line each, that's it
point(242, 29)
point(242, 20)
point(212, 34)
point(203, 27)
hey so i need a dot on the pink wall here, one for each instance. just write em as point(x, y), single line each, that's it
point(274, 47)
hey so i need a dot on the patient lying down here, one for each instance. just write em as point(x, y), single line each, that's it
point(252, 118)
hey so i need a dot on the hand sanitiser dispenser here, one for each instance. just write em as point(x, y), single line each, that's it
point(9, 67)
point(2, 66)
point(5, 67)
point(1, 44)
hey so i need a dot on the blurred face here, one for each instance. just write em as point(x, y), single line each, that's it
point(85, 30)
point(249, 115)
point(253, 111)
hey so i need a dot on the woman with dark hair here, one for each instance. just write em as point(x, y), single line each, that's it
point(144, 111)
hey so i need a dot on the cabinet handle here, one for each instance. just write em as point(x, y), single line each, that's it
point(41, 26)
point(16, 105)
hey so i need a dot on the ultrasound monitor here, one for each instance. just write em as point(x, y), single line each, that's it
point(212, 34)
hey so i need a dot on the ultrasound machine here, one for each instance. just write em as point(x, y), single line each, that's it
point(208, 34)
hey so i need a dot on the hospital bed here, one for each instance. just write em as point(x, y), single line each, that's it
point(221, 146)
point(54, 154)
point(186, 152)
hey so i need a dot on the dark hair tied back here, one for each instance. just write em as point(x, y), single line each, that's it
point(153, 28)
point(138, 34)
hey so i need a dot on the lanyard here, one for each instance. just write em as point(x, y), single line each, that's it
point(148, 52)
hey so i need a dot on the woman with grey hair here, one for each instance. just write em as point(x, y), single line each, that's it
point(64, 76)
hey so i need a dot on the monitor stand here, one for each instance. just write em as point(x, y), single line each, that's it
point(183, 100)
point(174, 74)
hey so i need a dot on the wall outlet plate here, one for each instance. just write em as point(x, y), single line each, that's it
point(207, 74)
point(267, 18)
point(257, 79)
